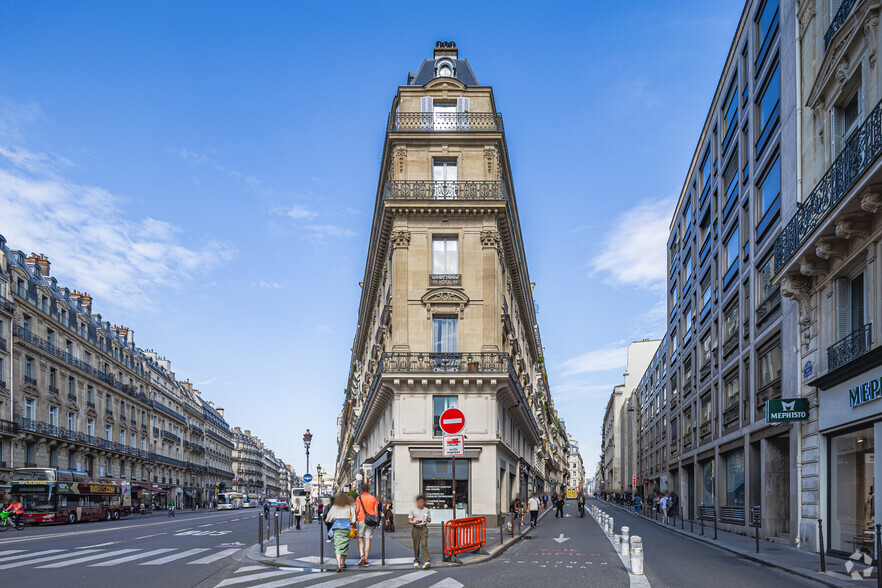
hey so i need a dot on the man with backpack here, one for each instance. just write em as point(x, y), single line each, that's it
point(367, 515)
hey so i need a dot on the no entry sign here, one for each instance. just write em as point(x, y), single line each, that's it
point(452, 421)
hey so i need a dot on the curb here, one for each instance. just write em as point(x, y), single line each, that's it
point(820, 577)
point(256, 555)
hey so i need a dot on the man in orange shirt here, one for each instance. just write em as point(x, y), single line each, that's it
point(367, 515)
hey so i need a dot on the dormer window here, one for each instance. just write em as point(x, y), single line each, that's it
point(444, 68)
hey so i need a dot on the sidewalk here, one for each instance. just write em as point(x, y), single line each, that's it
point(301, 549)
point(801, 563)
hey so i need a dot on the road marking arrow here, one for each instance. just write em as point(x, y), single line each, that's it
point(561, 539)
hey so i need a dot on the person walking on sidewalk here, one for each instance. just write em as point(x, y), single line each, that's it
point(533, 504)
point(663, 507)
point(368, 519)
point(559, 505)
point(298, 512)
point(545, 501)
point(637, 502)
point(342, 518)
point(419, 517)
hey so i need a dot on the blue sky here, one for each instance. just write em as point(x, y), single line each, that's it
point(207, 171)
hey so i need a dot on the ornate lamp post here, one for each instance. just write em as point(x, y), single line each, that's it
point(307, 440)
point(319, 473)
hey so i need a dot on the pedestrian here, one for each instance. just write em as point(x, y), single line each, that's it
point(389, 518)
point(545, 501)
point(582, 504)
point(327, 522)
point(368, 519)
point(297, 509)
point(342, 518)
point(663, 507)
point(558, 506)
point(419, 517)
point(171, 510)
point(638, 502)
point(266, 508)
point(533, 505)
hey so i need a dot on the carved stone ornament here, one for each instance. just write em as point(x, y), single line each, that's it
point(872, 202)
point(400, 155)
point(798, 288)
point(806, 14)
point(400, 239)
point(445, 300)
point(490, 238)
point(850, 227)
point(842, 73)
point(830, 249)
point(490, 158)
point(813, 268)
point(871, 27)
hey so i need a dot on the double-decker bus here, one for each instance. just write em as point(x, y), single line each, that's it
point(229, 500)
point(51, 495)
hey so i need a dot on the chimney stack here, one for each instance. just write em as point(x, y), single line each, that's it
point(84, 299)
point(220, 411)
point(446, 49)
point(41, 261)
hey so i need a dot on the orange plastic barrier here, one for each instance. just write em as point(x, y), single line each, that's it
point(463, 535)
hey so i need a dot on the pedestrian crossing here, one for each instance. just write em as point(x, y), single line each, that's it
point(257, 576)
point(103, 558)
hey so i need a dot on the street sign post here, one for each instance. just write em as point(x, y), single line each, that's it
point(307, 478)
point(452, 421)
point(453, 445)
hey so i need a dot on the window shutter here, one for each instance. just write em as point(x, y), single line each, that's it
point(426, 104)
point(462, 109)
point(462, 104)
point(857, 303)
point(427, 108)
point(841, 308)
point(834, 8)
point(836, 132)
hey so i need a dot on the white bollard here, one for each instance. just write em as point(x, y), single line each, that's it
point(637, 556)
point(617, 539)
point(612, 527)
point(626, 542)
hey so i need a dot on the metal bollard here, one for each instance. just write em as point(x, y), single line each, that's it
point(321, 529)
point(681, 519)
point(821, 539)
point(715, 522)
point(612, 527)
point(260, 530)
point(626, 541)
point(878, 559)
point(636, 555)
point(382, 538)
point(276, 525)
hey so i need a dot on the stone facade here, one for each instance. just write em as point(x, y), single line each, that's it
point(446, 315)
point(258, 472)
point(77, 393)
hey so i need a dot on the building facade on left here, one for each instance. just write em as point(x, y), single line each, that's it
point(77, 393)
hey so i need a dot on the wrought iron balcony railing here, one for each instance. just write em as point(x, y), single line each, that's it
point(194, 446)
point(445, 362)
point(168, 411)
point(856, 157)
point(838, 20)
point(456, 122)
point(46, 429)
point(6, 305)
point(8, 427)
point(443, 190)
point(850, 347)
point(171, 436)
point(445, 280)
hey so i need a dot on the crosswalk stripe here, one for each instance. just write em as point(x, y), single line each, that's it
point(77, 559)
point(10, 552)
point(343, 581)
point(251, 578)
point(143, 555)
point(447, 583)
point(214, 557)
point(311, 576)
point(31, 561)
point(173, 557)
point(404, 580)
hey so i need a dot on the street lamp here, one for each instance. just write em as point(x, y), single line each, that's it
point(307, 439)
point(319, 472)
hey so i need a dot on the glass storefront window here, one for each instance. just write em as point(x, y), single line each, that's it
point(735, 478)
point(438, 488)
point(851, 492)
point(707, 485)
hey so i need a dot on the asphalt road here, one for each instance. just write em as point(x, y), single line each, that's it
point(208, 549)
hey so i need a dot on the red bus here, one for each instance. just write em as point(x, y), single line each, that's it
point(50, 495)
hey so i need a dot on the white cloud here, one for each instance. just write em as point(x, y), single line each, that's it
point(608, 358)
point(203, 159)
point(634, 248)
point(87, 234)
point(267, 284)
point(205, 382)
point(298, 212)
point(319, 231)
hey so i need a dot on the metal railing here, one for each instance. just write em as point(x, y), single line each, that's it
point(171, 436)
point(458, 122)
point(445, 280)
point(856, 156)
point(196, 429)
point(445, 362)
point(8, 427)
point(168, 411)
point(194, 446)
point(732, 514)
point(838, 20)
point(850, 347)
point(443, 190)
point(6, 305)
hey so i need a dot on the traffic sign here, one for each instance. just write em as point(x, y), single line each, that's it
point(368, 467)
point(307, 477)
point(453, 445)
point(452, 421)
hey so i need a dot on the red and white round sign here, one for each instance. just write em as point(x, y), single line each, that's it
point(452, 421)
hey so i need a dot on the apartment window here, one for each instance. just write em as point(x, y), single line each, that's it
point(30, 410)
point(705, 409)
point(53, 416)
point(90, 427)
point(143, 443)
point(133, 415)
point(122, 438)
point(108, 433)
point(71, 460)
point(134, 440)
point(71, 421)
point(143, 418)
point(731, 391)
point(30, 454)
point(849, 305)
point(733, 246)
point(50, 339)
point(673, 300)
point(71, 386)
point(687, 368)
point(706, 349)
point(29, 368)
point(673, 345)
point(735, 478)
point(108, 464)
point(687, 219)
point(445, 255)
point(706, 173)
point(90, 394)
point(53, 457)
point(687, 273)
point(846, 119)
point(730, 327)
point(444, 175)
point(53, 383)
point(765, 285)
point(768, 198)
point(444, 335)
point(687, 324)
point(769, 359)
point(108, 402)
point(767, 110)
point(705, 297)
point(87, 357)
point(730, 182)
point(766, 27)
point(729, 116)
point(26, 323)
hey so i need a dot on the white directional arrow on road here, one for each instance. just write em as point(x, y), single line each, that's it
point(561, 539)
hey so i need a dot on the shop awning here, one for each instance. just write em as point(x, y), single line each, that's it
point(150, 488)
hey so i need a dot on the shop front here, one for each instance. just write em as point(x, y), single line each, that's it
point(850, 421)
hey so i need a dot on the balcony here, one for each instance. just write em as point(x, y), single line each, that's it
point(453, 122)
point(30, 380)
point(71, 396)
point(851, 347)
point(441, 190)
point(53, 390)
point(45, 429)
point(168, 411)
point(445, 362)
point(838, 20)
point(441, 280)
point(8, 427)
point(90, 403)
point(196, 429)
point(194, 446)
point(6, 305)
point(857, 155)
point(170, 436)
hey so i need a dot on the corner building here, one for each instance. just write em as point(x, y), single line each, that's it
point(446, 317)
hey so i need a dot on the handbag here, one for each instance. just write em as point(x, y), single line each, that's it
point(369, 519)
point(353, 530)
